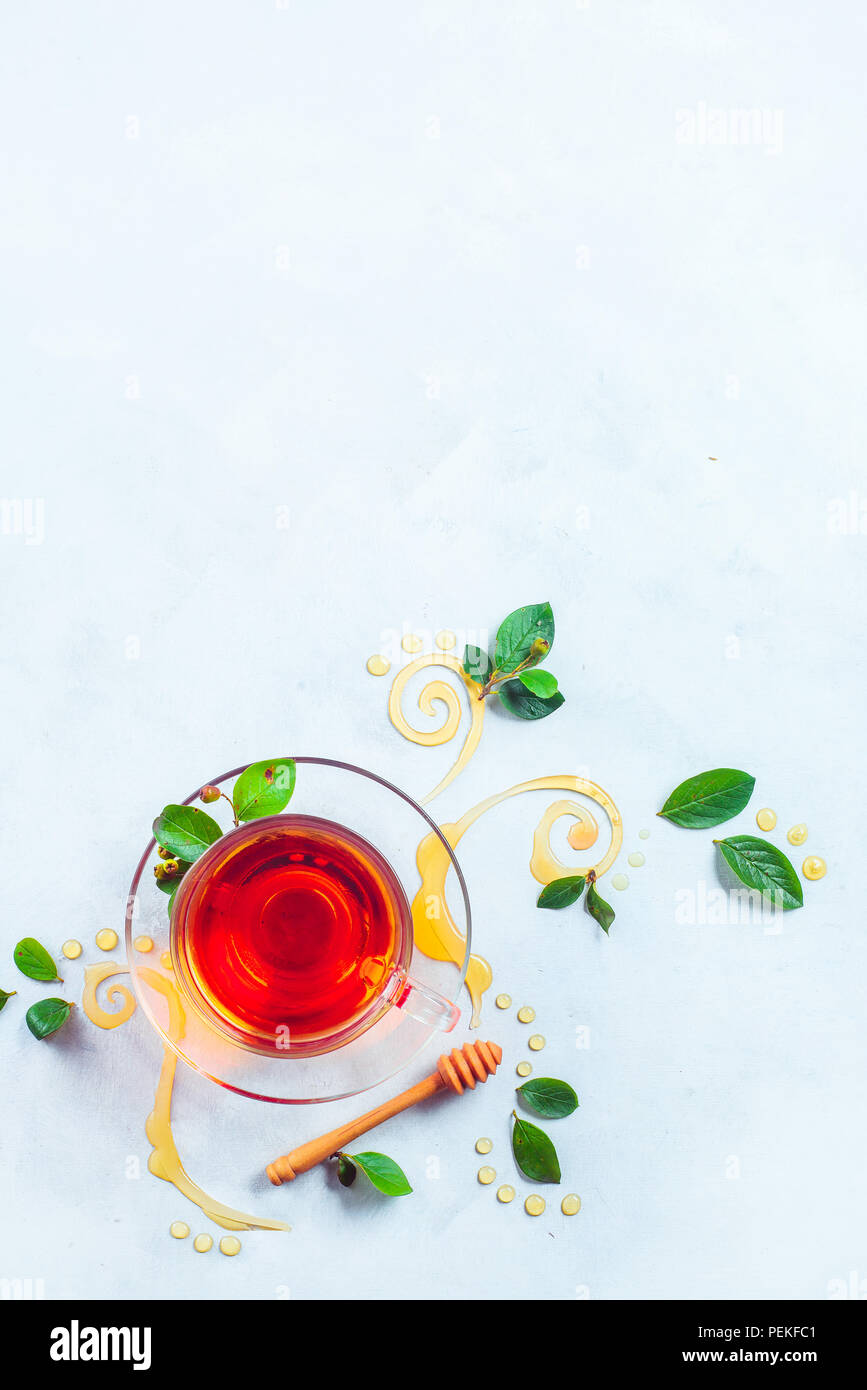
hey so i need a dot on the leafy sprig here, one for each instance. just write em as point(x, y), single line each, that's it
point(385, 1175)
point(563, 892)
point(184, 833)
point(524, 639)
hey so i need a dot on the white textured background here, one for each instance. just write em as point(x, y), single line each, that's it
point(430, 279)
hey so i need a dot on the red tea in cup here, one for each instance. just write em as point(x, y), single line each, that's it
point(292, 935)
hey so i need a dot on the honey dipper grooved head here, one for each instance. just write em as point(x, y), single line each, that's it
point(465, 1066)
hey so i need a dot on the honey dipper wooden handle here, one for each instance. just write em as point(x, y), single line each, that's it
point(455, 1071)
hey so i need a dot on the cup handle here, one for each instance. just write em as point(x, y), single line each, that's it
point(424, 1004)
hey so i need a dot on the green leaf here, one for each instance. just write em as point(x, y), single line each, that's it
point(6, 994)
point(523, 703)
point(477, 664)
point(383, 1172)
point(710, 798)
point(346, 1171)
point(599, 909)
point(33, 960)
point(534, 1153)
point(548, 1096)
point(539, 683)
point(176, 883)
point(264, 789)
point(519, 631)
point(47, 1016)
point(562, 892)
point(762, 866)
point(186, 831)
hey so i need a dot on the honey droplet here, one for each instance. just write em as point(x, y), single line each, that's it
point(445, 640)
point(166, 960)
point(636, 859)
point(230, 1245)
point(571, 1204)
point(487, 1175)
point(526, 1014)
point(582, 834)
point(71, 949)
point(179, 1229)
point(505, 1193)
point(536, 1043)
point(798, 834)
point(766, 819)
point(483, 1146)
point(619, 881)
point(202, 1244)
point(106, 939)
point(144, 944)
point(411, 643)
point(523, 1068)
point(813, 867)
point(644, 834)
point(378, 665)
point(503, 1001)
point(534, 1205)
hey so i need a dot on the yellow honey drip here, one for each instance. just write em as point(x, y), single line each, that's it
point(487, 1175)
point(106, 939)
point(571, 1204)
point(619, 881)
point(766, 819)
point(526, 1014)
point(503, 1001)
point(436, 932)
point(71, 949)
point(165, 1161)
point(93, 978)
point(536, 1043)
point(636, 859)
point(523, 1068)
point(230, 1245)
point(411, 643)
point(483, 1146)
point(166, 960)
point(445, 640)
point(144, 944)
point(797, 835)
point(506, 1193)
point(438, 692)
point(814, 867)
point(584, 832)
point(203, 1244)
point(378, 665)
point(534, 1205)
point(179, 1229)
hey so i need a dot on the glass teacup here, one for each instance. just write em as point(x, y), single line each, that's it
point(292, 935)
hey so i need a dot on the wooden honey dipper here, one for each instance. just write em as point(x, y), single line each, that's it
point(455, 1070)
